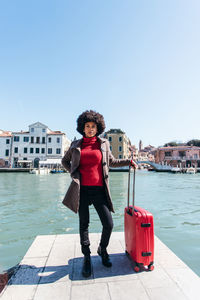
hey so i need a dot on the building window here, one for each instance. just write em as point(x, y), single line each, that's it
point(31, 150)
point(195, 155)
point(110, 148)
point(25, 150)
point(43, 150)
point(49, 150)
point(32, 129)
point(16, 149)
point(7, 152)
point(168, 154)
point(120, 148)
point(25, 158)
point(43, 130)
point(120, 156)
point(49, 140)
point(110, 138)
point(37, 140)
point(182, 153)
point(43, 140)
point(120, 139)
point(32, 139)
point(26, 139)
point(37, 150)
point(58, 151)
point(16, 138)
point(7, 141)
point(58, 140)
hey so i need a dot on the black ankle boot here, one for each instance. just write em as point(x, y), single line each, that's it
point(105, 257)
point(86, 270)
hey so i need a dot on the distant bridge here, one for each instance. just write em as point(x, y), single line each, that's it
point(157, 167)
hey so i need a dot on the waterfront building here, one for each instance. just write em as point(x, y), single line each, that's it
point(119, 143)
point(142, 156)
point(150, 149)
point(151, 157)
point(147, 153)
point(178, 156)
point(28, 148)
point(145, 156)
point(134, 152)
point(5, 148)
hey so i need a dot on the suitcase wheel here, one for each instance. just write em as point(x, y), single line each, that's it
point(151, 267)
point(136, 269)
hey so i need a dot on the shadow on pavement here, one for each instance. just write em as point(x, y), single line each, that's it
point(31, 275)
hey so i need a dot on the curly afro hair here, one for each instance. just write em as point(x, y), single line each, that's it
point(90, 116)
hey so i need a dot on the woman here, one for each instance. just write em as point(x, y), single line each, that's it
point(88, 161)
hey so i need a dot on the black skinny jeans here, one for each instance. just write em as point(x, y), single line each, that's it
point(94, 195)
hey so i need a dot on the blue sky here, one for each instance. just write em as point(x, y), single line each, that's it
point(136, 62)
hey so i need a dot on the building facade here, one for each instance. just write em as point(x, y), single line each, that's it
point(30, 147)
point(134, 152)
point(179, 156)
point(119, 143)
point(5, 148)
point(147, 153)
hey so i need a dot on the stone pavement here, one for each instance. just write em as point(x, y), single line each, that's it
point(51, 269)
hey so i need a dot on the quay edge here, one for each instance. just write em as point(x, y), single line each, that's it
point(14, 170)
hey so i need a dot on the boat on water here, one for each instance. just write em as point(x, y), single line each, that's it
point(33, 171)
point(150, 169)
point(40, 171)
point(191, 170)
point(54, 171)
point(176, 170)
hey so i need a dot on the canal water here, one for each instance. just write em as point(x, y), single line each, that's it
point(31, 205)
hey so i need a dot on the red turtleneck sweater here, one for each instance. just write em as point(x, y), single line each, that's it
point(90, 162)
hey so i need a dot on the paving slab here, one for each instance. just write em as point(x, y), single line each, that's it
point(97, 291)
point(129, 289)
point(53, 291)
point(41, 246)
point(51, 269)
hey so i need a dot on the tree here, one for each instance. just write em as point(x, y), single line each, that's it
point(193, 143)
point(172, 144)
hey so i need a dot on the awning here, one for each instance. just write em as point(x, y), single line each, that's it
point(56, 161)
point(24, 161)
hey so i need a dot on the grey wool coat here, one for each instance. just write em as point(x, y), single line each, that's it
point(71, 161)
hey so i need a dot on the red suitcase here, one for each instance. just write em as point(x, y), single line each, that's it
point(139, 233)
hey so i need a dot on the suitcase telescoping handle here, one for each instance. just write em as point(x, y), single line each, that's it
point(129, 179)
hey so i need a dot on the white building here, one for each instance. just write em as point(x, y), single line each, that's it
point(5, 147)
point(38, 144)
